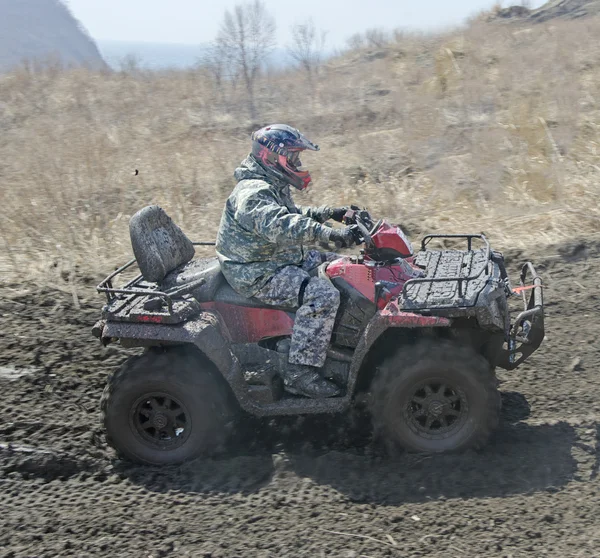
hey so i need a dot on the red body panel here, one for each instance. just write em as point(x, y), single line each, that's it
point(364, 276)
point(391, 237)
point(250, 325)
point(360, 276)
point(396, 317)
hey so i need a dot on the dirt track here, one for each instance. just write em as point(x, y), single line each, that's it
point(301, 489)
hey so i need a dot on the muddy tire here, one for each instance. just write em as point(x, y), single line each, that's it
point(435, 397)
point(165, 407)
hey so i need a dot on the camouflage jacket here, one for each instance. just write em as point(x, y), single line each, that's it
point(262, 230)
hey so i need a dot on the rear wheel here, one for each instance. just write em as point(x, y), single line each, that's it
point(165, 407)
point(436, 397)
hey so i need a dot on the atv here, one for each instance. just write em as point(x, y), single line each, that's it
point(417, 339)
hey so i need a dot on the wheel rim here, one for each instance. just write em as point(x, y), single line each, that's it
point(160, 420)
point(436, 409)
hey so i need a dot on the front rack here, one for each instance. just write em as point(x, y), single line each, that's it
point(460, 280)
point(428, 238)
point(133, 287)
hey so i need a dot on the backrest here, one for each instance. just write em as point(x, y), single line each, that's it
point(159, 245)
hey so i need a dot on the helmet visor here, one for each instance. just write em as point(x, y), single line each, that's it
point(294, 160)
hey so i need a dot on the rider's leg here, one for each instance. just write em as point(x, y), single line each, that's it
point(283, 289)
point(314, 258)
point(314, 315)
point(314, 322)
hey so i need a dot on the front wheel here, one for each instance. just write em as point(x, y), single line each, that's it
point(436, 397)
point(166, 407)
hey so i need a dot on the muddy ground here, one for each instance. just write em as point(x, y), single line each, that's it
point(319, 488)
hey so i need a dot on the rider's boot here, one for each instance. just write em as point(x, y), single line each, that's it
point(300, 379)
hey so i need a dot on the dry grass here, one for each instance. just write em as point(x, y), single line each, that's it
point(493, 128)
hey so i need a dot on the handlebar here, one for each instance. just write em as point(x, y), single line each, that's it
point(362, 224)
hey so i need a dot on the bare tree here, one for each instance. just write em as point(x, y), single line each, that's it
point(245, 39)
point(307, 46)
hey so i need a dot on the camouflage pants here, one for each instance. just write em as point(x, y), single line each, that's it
point(315, 317)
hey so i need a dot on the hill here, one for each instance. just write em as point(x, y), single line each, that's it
point(490, 128)
point(44, 30)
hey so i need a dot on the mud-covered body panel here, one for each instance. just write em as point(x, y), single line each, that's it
point(206, 331)
point(391, 317)
point(250, 325)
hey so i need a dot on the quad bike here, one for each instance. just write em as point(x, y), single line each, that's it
point(417, 337)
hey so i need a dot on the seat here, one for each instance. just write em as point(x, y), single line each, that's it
point(215, 287)
point(203, 268)
point(228, 295)
point(159, 245)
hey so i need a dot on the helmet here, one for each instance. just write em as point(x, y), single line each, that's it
point(278, 148)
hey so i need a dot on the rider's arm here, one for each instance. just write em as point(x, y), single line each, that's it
point(272, 221)
point(319, 214)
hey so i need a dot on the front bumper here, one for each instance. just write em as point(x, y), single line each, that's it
point(527, 331)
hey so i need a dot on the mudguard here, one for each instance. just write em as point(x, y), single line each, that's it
point(205, 332)
point(392, 316)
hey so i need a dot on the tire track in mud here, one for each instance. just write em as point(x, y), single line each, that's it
point(311, 487)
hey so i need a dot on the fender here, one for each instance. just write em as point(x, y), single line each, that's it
point(392, 316)
point(205, 331)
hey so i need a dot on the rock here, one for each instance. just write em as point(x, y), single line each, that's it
point(513, 11)
point(566, 9)
point(575, 365)
point(569, 9)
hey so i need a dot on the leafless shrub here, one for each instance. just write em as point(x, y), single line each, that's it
point(377, 38)
point(371, 38)
point(355, 41)
point(130, 64)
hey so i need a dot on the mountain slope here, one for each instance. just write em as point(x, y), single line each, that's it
point(43, 29)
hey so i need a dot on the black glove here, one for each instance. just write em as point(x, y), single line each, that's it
point(342, 238)
point(337, 213)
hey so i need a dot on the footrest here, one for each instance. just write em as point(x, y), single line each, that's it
point(267, 394)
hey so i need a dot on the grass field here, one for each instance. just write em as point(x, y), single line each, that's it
point(494, 128)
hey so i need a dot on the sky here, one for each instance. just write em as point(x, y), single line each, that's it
point(197, 21)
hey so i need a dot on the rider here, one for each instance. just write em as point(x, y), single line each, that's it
point(261, 247)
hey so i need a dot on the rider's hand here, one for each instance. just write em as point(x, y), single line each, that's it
point(342, 237)
point(337, 213)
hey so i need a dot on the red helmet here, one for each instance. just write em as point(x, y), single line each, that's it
point(279, 147)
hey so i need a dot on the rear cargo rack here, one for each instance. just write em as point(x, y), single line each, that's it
point(459, 279)
point(137, 288)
